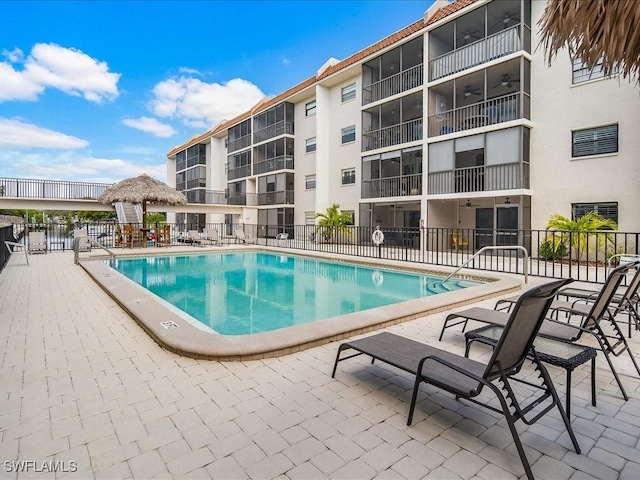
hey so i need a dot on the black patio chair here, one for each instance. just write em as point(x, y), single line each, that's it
point(466, 378)
point(597, 320)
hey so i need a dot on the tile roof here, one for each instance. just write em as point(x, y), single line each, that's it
point(449, 10)
point(362, 54)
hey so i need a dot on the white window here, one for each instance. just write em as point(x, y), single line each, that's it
point(594, 141)
point(310, 182)
point(348, 176)
point(349, 92)
point(348, 134)
point(607, 210)
point(310, 145)
point(583, 74)
point(310, 108)
point(309, 218)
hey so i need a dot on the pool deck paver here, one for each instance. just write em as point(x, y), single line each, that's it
point(81, 381)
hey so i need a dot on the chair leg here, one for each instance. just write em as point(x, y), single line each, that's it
point(615, 372)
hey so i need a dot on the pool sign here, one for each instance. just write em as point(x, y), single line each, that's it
point(377, 236)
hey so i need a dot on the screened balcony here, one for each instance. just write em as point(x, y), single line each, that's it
point(481, 51)
point(393, 123)
point(486, 97)
point(392, 174)
point(274, 155)
point(487, 33)
point(479, 114)
point(392, 187)
point(284, 197)
point(239, 136)
point(480, 179)
point(491, 161)
point(273, 122)
point(393, 72)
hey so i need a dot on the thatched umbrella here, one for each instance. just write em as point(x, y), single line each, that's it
point(142, 189)
point(595, 31)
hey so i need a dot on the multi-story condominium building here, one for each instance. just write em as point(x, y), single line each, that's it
point(456, 121)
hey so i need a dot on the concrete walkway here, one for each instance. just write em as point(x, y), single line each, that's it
point(84, 388)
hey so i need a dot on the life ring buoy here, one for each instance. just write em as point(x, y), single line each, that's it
point(377, 278)
point(377, 237)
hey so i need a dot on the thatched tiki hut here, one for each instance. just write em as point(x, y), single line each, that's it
point(143, 190)
point(596, 31)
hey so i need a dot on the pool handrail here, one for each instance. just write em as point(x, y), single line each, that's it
point(496, 247)
point(92, 241)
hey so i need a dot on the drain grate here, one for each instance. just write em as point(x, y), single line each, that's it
point(168, 325)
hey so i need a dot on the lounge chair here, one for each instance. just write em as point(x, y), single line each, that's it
point(598, 321)
point(212, 236)
point(85, 243)
point(241, 237)
point(466, 378)
point(625, 302)
point(197, 238)
point(37, 242)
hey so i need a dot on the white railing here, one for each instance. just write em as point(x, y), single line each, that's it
point(480, 114)
point(410, 131)
point(483, 178)
point(486, 49)
point(400, 82)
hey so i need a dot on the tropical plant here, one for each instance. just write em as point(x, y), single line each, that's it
point(576, 233)
point(333, 223)
point(553, 248)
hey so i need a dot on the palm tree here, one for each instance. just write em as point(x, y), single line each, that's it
point(332, 223)
point(604, 32)
point(580, 230)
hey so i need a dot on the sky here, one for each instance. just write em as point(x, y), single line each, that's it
point(100, 91)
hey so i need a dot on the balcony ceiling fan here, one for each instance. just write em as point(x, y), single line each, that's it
point(506, 81)
point(469, 36)
point(470, 90)
point(505, 20)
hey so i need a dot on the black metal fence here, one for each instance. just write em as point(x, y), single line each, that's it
point(584, 256)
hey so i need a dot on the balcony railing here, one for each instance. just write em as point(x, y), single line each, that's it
point(250, 199)
point(274, 130)
point(273, 164)
point(480, 179)
point(486, 49)
point(487, 112)
point(238, 172)
point(410, 131)
point(283, 197)
point(50, 189)
point(392, 186)
point(398, 83)
point(239, 143)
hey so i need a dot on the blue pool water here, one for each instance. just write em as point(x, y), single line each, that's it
point(239, 293)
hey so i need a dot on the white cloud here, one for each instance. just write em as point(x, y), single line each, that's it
point(52, 66)
point(76, 166)
point(14, 133)
point(200, 104)
point(150, 125)
point(286, 61)
point(15, 55)
point(189, 71)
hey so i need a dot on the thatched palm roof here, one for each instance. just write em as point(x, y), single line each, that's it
point(594, 31)
point(142, 189)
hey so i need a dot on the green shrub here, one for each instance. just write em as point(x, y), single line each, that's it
point(552, 249)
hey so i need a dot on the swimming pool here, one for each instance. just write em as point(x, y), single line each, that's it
point(248, 292)
point(178, 332)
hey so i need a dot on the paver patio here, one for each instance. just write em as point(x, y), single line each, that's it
point(81, 382)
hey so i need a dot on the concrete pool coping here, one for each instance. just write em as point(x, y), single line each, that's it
point(180, 336)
